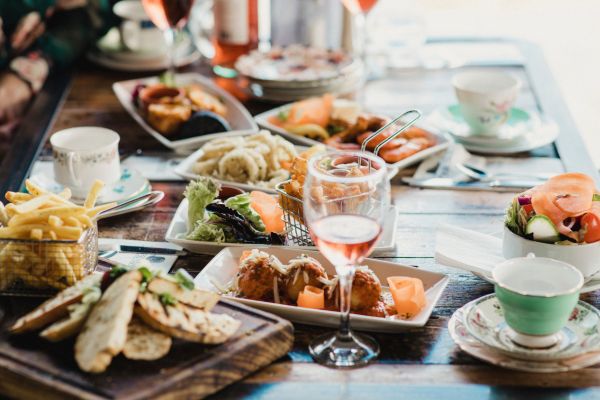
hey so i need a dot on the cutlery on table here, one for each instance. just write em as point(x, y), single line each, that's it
point(480, 174)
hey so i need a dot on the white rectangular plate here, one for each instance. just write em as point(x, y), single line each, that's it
point(238, 117)
point(185, 170)
point(443, 141)
point(224, 266)
point(179, 226)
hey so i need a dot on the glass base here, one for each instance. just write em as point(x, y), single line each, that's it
point(335, 351)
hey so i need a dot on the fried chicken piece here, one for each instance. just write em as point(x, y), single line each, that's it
point(259, 276)
point(168, 118)
point(205, 101)
point(303, 271)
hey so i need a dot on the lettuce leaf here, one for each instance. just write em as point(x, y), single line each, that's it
point(241, 204)
point(200, 193)
point(207, 232)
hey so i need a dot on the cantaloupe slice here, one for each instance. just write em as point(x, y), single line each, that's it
point(268, 208)
point(408, 294)
point(245, 254)
point(311, 297)
point(315, 110)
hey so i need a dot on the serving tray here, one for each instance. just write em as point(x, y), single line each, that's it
point(32, 368)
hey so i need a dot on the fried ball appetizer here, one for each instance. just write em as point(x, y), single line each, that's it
point(380, 310)
point(366, 289)
point(302, 271)
point(260, 276)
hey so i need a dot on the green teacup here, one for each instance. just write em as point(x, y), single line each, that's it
point(537, 296)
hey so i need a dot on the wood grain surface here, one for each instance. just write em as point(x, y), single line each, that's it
point(418, 364)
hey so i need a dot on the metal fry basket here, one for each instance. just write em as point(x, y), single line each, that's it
point(293, 217)
point(42, 267)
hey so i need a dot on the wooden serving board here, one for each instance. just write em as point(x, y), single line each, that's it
point(31, 368)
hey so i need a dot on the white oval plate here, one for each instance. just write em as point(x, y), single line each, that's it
point(224, 266)
point(179, 226)
point(443, 140)
point(238, 117)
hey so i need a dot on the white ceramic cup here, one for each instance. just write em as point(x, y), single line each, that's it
point(485, 99)
point(82, 155)
point(136, 30)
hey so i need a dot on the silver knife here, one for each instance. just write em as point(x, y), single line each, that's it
point(450, 183)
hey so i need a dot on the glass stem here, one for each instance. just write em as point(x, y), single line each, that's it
point(361, 35)
point(345, 281)
point(170, 40)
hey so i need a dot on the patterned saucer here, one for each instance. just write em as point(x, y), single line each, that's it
point(470, 345)
point(485, 321)
point(132, 183)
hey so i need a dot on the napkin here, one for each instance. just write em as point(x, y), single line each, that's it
point(467, 250)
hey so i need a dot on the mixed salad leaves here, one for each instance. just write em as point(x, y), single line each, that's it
point(235, 220)
point(564, 210)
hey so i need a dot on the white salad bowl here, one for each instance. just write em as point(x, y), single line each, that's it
point(584, 257)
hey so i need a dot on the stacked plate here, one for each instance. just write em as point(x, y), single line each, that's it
point(297, 72)
point(480, 330)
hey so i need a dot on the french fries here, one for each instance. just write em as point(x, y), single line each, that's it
point(50, 246)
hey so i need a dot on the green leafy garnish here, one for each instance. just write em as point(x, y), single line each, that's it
point(513, 216)
point(241, 204)
point(184, 279)
point(167, 299)
point(117, 271)
point(147, 276)
point(200, 193)
point(283, 115)
point(167, 78)
point(596, 197)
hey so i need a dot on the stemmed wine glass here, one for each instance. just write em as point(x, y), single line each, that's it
point(345, 198)
point(169, 16)
point(360, 9)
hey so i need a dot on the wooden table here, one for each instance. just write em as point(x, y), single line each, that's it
point(423, 363)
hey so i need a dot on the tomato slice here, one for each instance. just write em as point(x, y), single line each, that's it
point(591, 223)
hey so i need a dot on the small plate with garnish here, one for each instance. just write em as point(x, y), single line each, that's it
point(301, 286)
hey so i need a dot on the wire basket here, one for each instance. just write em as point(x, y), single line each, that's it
point(293, 216)
point(42, 267)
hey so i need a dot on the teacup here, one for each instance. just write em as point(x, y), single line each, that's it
point(84, 154)
point(138, 33)
point(486, 98)
point(537, 296)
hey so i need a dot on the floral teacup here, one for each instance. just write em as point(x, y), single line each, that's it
point(84, 154)
point(486, 98)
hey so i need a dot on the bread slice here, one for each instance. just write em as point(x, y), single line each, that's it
point(184, 322)
point(145, 343)
point(197, 298)
point(63, 329)
point(56, 308)
point(105, 331)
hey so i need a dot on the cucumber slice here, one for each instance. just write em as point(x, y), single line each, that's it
point(542, 229)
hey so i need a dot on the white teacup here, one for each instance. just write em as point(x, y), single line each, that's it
point(486, 98)
point(84, 154)
point(138, 33)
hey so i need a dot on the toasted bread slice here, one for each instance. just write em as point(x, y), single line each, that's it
point(197, 298)
point(56, 308)
point(105, 331)
point(145, 343)
point(184, 322)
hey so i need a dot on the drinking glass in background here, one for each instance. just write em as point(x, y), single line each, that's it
point(360, 9)
point(345, 196)
point(169, 16)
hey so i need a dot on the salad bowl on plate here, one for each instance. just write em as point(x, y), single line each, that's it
point(559, 219)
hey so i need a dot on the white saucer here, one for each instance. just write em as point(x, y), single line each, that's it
point(484, 320)
point(466, 342)
point(132, 183)
point(523, 132)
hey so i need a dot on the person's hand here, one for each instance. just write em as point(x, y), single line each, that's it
point(14, 97)
point(29, 28)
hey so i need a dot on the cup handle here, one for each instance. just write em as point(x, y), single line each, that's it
point(71, 159)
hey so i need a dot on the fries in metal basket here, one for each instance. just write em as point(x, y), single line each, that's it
point(47, 241)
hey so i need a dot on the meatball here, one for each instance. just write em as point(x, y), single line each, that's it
point(366, 289)
point(303, 271)
point(377, 310)
point(260, 276)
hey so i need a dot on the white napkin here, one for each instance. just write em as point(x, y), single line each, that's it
point(467, 250)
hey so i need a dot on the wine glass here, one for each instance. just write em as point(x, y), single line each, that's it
point(169, 16)
point(360, 9)
point(345, 198)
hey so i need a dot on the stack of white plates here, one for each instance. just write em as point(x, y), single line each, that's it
point(297, 72)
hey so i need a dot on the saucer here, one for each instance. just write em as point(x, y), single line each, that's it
point(132, 183)
point(484, 320)
point(470, 345)
point(524, 131)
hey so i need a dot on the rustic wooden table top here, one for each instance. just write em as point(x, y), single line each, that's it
point(423, 363)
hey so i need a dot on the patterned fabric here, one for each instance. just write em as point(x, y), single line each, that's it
point(60, 30)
